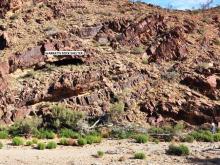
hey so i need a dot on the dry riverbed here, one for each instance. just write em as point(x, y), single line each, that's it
point(117, 152)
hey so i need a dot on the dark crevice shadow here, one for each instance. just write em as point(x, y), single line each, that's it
point(213, 161)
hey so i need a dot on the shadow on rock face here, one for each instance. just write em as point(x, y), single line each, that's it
point(3, 42)
point(214, 161)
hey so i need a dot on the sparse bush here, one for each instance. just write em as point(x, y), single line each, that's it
point(188, 138)
point(100, 154)
point(168, 131)
point(65, 118)
point(29, 74)
point(139, 155)
point(156, 130)
point(164, 130)
point(3, 134)
point(29, 143)
point(201, 135)
point(64, 142)
point(14, 17)
point(26, 126)
point(178, 127)
point(82, 141)
point(144, 61)
point(170, 76)
point(50, 67)
point(216, 41)
point(142, 138)
point(68, 133)
point(180, 150)
point(1, 145)
point(157, 141)
point(138, 50)
point(45, 134)
point(118, 107)
point(122, 50)
point(34, 141)
point(216, 137)
point(41, 146)
point(122, 134)
point(51, 145)
point(93, 139)
point(116, 110)
point(17, 141)
point(50, 30)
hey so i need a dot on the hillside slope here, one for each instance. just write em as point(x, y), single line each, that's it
point(159, 65)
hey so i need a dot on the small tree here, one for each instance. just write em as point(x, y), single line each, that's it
point(207, 4)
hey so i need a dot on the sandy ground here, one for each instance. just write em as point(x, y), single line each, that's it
point(117, 152)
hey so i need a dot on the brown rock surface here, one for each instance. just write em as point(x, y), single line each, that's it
point(162, 65)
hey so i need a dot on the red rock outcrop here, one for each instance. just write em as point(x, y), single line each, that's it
point(175, 75)
point(171, 46)
point(127, 32)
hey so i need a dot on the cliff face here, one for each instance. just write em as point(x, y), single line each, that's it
point(162, 65)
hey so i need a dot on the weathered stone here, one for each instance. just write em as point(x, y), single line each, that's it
point(212, 81)
point(89, 32)
point(172, 47)
point(4, 7)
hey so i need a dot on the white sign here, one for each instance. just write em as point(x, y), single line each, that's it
point(64, 53)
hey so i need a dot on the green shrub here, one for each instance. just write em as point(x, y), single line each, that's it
point(63, 117)
point(178, 127)
point(34, 141)
point(17, 141)
point(51, 145)
point(139, 155)
point(45, 134)
point(1, 145)
point(216, 137)
point(138, 50)
point(41, 146)
point(26, 126)
point(29, 143)
point(168, 129)
point(82, 141)
point(68, 133)
point(156, 130)
point(178, 150)
point(117, 107)
point(3, 134)
point(188, 138)
point(164, 130)
point(157, 141)
point(141, 138)
point(100, 154)
point(93, 139)
point(122, 134)
point(64, 142)
point(145, 61)
point(201, 135)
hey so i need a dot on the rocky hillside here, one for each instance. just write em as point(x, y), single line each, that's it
point(156, 65)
